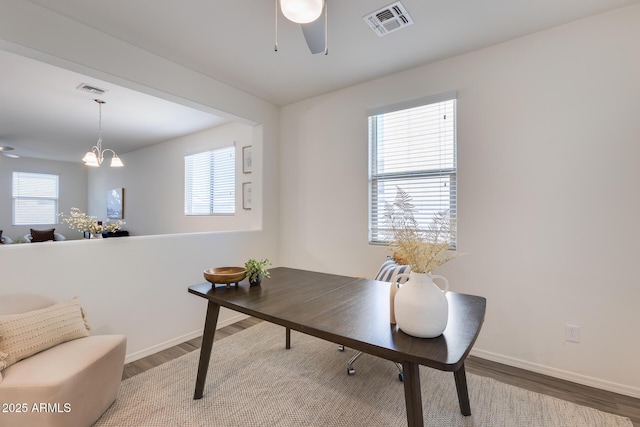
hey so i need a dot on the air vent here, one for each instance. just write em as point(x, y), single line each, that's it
point(91, 89)
point(388, 19)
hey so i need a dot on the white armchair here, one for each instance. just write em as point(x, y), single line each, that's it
point(78, 378)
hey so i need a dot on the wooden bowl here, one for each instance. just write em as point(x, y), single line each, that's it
point(225, 275)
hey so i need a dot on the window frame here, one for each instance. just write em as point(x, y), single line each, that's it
point(376, 230)
point(23, 177)
point(213, 202)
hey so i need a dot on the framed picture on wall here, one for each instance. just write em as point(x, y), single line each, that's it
point(246, 195)
point(247, 163)
point(115, 203)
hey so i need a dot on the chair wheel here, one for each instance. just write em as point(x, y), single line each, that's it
point(340, 348)
point(351, 371)
point(401, 377)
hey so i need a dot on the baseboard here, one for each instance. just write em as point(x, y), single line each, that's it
point(179, 340)
point(558, 373)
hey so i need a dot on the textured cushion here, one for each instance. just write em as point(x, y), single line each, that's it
point(25, 334)
point(390, 269)
point(42, 235)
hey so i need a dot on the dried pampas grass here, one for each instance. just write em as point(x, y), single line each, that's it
point(422, 248)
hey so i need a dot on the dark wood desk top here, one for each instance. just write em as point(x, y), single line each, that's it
point(352, 312)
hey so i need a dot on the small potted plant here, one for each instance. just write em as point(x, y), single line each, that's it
point(256, 270)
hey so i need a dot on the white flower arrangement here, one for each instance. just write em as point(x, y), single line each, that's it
point(422, 249)
point(80, 221)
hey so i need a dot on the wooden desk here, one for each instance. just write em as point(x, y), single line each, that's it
point(352, 312)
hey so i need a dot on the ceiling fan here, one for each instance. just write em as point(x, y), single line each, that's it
point(4, 151)
point(312, 17)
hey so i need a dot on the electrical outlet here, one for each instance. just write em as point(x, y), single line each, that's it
point(572, 333)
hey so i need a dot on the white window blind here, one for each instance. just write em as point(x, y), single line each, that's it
point(210, 182)
point(413, 147)
point(35, 198)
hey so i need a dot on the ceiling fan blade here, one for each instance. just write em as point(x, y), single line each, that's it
point(315, 33)
point(4, 151)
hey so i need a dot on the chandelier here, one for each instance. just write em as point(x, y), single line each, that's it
point(96, 155)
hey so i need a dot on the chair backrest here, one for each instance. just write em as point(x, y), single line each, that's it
point(21, 303)
point(56, 237)
point(389, 271)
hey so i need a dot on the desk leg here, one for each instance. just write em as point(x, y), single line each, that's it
point(210, 324)
point(288, 338)
point(463, 392)
point(412, 394)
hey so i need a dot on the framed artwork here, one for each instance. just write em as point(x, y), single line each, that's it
point(246, 195)
point(247, 164)
point(115, 203)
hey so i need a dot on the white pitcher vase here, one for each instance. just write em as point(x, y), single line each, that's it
point(421, 307)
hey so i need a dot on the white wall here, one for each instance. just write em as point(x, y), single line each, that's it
point(153, 182)
point(135, 286)
point(138, 285)
point(548, 140)
point(72, 192)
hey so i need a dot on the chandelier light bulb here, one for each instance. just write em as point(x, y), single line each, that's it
point(116, 162)
point(90, 159)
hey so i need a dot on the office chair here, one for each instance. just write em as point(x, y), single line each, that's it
point(388, 272)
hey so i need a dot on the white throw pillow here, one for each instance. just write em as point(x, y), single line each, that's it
point(25, 334)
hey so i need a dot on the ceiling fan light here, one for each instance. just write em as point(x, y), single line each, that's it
point(116, 162)
point(301, 11)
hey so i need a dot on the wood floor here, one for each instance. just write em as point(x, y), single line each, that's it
point(583, 395)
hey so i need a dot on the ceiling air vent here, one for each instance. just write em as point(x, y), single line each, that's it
point(388, 19)
point(91, 89)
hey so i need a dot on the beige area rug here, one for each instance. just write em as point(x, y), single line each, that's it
point(254, 381)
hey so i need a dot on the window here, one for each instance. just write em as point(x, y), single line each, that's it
point(35, 198)
point(413, 146)
point(210, 182)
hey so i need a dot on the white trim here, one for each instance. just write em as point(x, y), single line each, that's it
point(559, 373)
point(178, 340)
point(418, 102)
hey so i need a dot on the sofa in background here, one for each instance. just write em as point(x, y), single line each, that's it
point(5, 240)
point(44, 236)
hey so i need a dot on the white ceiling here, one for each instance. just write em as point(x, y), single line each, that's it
point(233, 41)
point(44, 115)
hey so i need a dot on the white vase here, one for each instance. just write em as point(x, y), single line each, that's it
point(96, 236)
point(421, 307)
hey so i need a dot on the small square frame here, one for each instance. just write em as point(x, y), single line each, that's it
point(247, 160)
point(246, 195)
